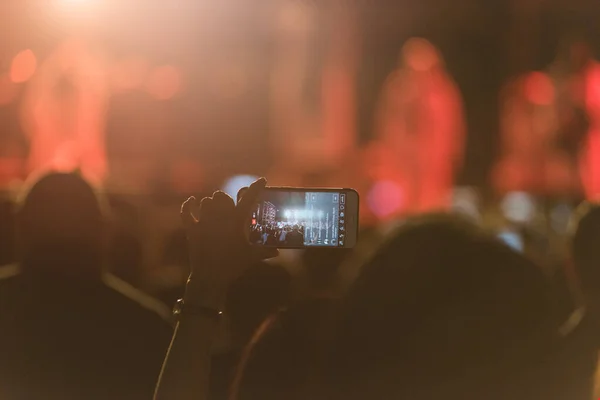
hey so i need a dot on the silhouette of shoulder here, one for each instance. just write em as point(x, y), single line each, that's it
point(109, 337)
point(121, 290)
point(137, 297)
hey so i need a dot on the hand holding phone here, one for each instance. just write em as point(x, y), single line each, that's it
point(218, 249)
point(286, 217)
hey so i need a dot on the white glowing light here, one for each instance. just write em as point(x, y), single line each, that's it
point(518, 207)
point(72, 3)
point(235, 183)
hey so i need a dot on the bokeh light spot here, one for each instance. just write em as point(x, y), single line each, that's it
point(385, 198)
point(518, 207)
point(512, 239)
point(23, 66)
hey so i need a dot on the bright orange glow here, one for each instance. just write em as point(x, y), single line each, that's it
point(8, 90)
point(164, 82)
point(63, 111)
point(539, 89)
point(23, 66)
point(420, 55)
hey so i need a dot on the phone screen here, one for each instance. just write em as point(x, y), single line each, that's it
point(302, 217)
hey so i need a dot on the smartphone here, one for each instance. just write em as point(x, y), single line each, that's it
point(295, 218)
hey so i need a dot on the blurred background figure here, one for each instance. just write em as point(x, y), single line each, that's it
point(583, 273)
point(396, 297)
point(420, 130)
point(312, 91)
point(64, 111)
point(69, 328)
point(590, 160)
point(547, 141)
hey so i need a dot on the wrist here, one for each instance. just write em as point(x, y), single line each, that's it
point(203, 295)
point(185, 309)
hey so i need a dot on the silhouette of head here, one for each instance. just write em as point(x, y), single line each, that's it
point(443, 311)
point(60, 222)
point(585, 251)
point(7, 225)
point(125, 256)
point(322, 267)
point(420, 55)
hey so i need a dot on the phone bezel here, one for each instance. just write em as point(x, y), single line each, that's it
point(352, 207)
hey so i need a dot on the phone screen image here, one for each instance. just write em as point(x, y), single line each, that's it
point(297, 218)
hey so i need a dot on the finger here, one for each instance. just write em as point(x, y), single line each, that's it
point(187, 217)
point(268, 252)
point(250, 197)
point(264, 253)
point(241, 192)
point(223, 202)
point(223, 209)
point(206, 209)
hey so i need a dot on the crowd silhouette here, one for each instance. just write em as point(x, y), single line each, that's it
point(69, 328)
point(439, 309)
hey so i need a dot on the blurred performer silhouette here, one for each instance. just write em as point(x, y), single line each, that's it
point(312, 93)
point(420, 129)
point(545, 127)
point(64, 111)
point(590, 157)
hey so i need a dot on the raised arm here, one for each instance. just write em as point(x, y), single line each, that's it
point(219, 251)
